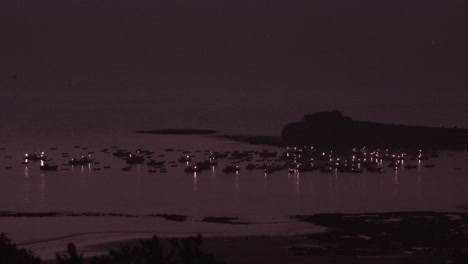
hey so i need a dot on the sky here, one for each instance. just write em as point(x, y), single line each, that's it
point(233, 53)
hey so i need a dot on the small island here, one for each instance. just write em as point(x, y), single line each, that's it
point(333, 129)
point(178, 131)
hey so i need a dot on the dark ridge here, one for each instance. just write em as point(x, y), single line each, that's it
point(172, 217)
point(178, 131)
point(121, 215)
point(332, 129)
point(224, 220)
point(25, 214)
point(58, 214)
point(256, 140)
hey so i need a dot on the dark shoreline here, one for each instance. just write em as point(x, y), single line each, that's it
point(389, 237)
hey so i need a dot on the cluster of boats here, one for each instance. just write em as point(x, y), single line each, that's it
point(301, 159)
point(293, 159)
point(34, 156)
point(46, 166)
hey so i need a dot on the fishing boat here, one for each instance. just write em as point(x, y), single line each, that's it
point(133, 159)
point(190, 169)
point(47, 167)
point(35, 156)
point(81, 161)
point(231, 168)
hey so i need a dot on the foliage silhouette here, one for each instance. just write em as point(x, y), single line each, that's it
point(10, 254)
point(72, 258)
point(184, 251)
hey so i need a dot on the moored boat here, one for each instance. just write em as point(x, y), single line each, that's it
point(194, 168)
point(231, 168)
point(81, 161)
point(34, 156)
point(48, 167)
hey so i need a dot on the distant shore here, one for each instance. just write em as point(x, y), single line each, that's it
point(173, 131)
point(255, 140)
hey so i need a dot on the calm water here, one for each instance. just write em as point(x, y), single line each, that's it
point(266, 200)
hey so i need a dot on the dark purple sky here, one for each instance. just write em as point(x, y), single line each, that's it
point(240, 52)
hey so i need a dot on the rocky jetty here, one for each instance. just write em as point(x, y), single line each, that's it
point(334, 130)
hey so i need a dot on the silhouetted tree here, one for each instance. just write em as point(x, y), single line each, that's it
point(71, 258)
point(189, 251)
point(9, 254)
point(185, 251)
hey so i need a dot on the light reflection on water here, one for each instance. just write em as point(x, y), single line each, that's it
point(195, 183)
point(248, 194)
point(42, 188)
point(26, 185)
point(395, 177)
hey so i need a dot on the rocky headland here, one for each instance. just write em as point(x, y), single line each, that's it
point(334, 130)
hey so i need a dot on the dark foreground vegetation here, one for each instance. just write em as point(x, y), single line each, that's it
point(393, 237)
point(183, 251)
point(332, 129)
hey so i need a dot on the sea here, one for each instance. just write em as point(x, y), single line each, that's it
point(101, 203)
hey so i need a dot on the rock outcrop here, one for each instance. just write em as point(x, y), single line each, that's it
point(332, 129)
